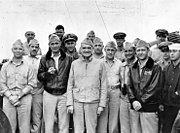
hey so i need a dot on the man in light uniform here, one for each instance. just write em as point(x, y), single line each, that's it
point(37, 97)
point(161, 36)
point(29, 36)
point(120, 39)
point(87, 89)
point(17, 81)
point(129, 51)
point(98, 48)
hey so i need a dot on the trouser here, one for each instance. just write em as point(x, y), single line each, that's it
point(85, 114)
point(37, 113)
point(51, 104)
point(176, 125)
point(109, 119)
point(102, 123)
point(125, 117)
point(170, 114)
point(114, 108)
point(144, 122)
point(19, 115)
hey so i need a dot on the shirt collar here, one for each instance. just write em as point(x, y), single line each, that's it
point(176, 63)
point(36, 57)
point(144, 63)
point(22, 61)
point(114, 60)
point(52, 55)
point(89, 60)
point(127, 64)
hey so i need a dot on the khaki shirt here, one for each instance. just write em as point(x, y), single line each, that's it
point(19, 76)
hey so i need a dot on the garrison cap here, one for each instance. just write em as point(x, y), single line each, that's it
point(53, 37)
point(128, 45)
point(142, 43)
point(87, 42)
point(29, 32)
point(164, 44)
point(161, 33)
point(33, 41)
point(18, 42)
point(70, 37)
point(97, 40)
point(119, 35)
point(111, 44)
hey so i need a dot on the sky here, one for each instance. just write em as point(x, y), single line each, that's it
point(137, 18)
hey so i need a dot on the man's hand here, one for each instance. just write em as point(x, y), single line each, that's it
point(51, 70)
point(70, 109)
point(13, 99)
point(100, 110)
point(21, 94)
point(136, 105)
point(161, 107)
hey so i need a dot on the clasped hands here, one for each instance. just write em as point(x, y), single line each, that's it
point(15, 99)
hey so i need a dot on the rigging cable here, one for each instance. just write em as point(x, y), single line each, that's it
point(102, 19)
point(68, 11)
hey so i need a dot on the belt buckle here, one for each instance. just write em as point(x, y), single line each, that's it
point(113, 87)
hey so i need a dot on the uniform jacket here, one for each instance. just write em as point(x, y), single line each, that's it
point(55, 83)
point(145, 88)
point(87, 82)
point(171, 89)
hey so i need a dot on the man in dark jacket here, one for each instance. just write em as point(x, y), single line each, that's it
point(143, 91)
point(54, 72)
point(171, 92)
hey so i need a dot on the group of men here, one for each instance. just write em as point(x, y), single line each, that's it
point(126, 89)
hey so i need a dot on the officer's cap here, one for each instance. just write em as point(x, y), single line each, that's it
point(70, 37)
point(161, 33)
point(119, 35)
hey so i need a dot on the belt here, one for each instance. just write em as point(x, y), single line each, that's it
point(113, 87)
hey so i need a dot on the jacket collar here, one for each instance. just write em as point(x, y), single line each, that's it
point(149, 64)
point(63, 55)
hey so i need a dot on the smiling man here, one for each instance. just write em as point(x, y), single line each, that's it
point(144, 88)
point(130, 59)
point(70, 43)
point(86, 93)
point(54, 72)
point(17, 81)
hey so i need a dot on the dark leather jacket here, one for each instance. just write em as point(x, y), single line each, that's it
point(145, 88)
point(171, 89)
point(55, 84)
